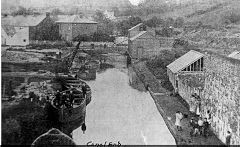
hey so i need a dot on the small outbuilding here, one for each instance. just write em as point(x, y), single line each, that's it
point(191, 62)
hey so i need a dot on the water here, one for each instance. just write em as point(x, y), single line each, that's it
point(120, 114)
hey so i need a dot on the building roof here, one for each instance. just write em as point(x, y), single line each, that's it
point(135, 26)
point(9, 30)
point(235, 55)
point(74, 19)
point(23, 21)
point(184, 61)
point(138, 35)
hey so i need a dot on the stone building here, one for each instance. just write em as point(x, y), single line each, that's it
point(21, 30)
point(143, 43)
point(222, 95)
point(189, 63)
point(72, 26)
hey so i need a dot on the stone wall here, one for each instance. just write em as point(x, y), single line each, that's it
point(190, 83)
point(222, 95)
point(65, 31)
point(165, 41)
point(83, 29)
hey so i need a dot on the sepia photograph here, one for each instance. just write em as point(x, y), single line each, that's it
point(120, 72)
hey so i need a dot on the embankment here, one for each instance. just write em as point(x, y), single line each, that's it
point(167, 106)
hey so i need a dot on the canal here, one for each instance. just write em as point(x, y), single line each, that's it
point(120, 114)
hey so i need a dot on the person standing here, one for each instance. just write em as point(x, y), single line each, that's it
point(84, 89)
point(208, 116)
point(198, 105)
point(58, 98)
point(191, 124)
point(228, 138)
point(200, 125)
point(63, 100)
point(205, 127)
point(179, 117)
point(71, 97)
point(84, 128)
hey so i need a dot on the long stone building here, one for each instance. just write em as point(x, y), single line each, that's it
point(143, 42)
point(72, 26)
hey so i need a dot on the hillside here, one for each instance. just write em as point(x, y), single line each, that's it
point(8, 5)
point(210, 12)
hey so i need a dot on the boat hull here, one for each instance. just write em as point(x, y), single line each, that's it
point(68, 115)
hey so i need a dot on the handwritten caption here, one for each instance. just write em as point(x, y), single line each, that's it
point(106, 143)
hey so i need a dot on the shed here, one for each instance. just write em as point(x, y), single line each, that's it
point(191, 62)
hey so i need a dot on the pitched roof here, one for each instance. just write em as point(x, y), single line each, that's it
point(138, 35)
point(184, 61)
point(74, 19)
point(23, 21)
point(10, 30)
point(235, 55)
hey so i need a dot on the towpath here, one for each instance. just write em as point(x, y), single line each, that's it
point(168, 105)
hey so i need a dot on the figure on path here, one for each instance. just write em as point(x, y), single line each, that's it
point(228, 138)
point(84, 128)
point(179, 117)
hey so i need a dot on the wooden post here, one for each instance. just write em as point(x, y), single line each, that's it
point(200, 64)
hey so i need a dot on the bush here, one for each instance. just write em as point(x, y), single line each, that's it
point(23, 123)
point(231, 17)
point(158, 65)
point(10, 131)
point(95, 37)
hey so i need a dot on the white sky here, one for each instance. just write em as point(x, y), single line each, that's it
point(135, 2)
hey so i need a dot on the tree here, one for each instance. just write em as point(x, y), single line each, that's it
point(179, 22)
point(56, 12)
point(124, 25)
point(153, 22)
point(116, 11)
point(99, 16)
point(23, 11)
point(169, 22)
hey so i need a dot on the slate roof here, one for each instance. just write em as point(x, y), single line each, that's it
point(235, 55)
point(74, 19)
point(23, 21)
point(184, 61)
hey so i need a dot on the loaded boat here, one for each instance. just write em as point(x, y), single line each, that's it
point(78, 110)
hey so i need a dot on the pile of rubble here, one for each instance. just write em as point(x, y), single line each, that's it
point(40, 89)
point(18, 56)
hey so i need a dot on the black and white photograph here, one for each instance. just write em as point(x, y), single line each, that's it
point(120, 72)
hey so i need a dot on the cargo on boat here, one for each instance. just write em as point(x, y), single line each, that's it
point(77, 110)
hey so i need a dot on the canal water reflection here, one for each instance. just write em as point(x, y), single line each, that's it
point(119, 113)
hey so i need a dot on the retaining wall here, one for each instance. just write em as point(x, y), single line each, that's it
point(222, 95)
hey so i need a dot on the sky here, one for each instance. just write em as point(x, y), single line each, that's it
point(135, 2)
